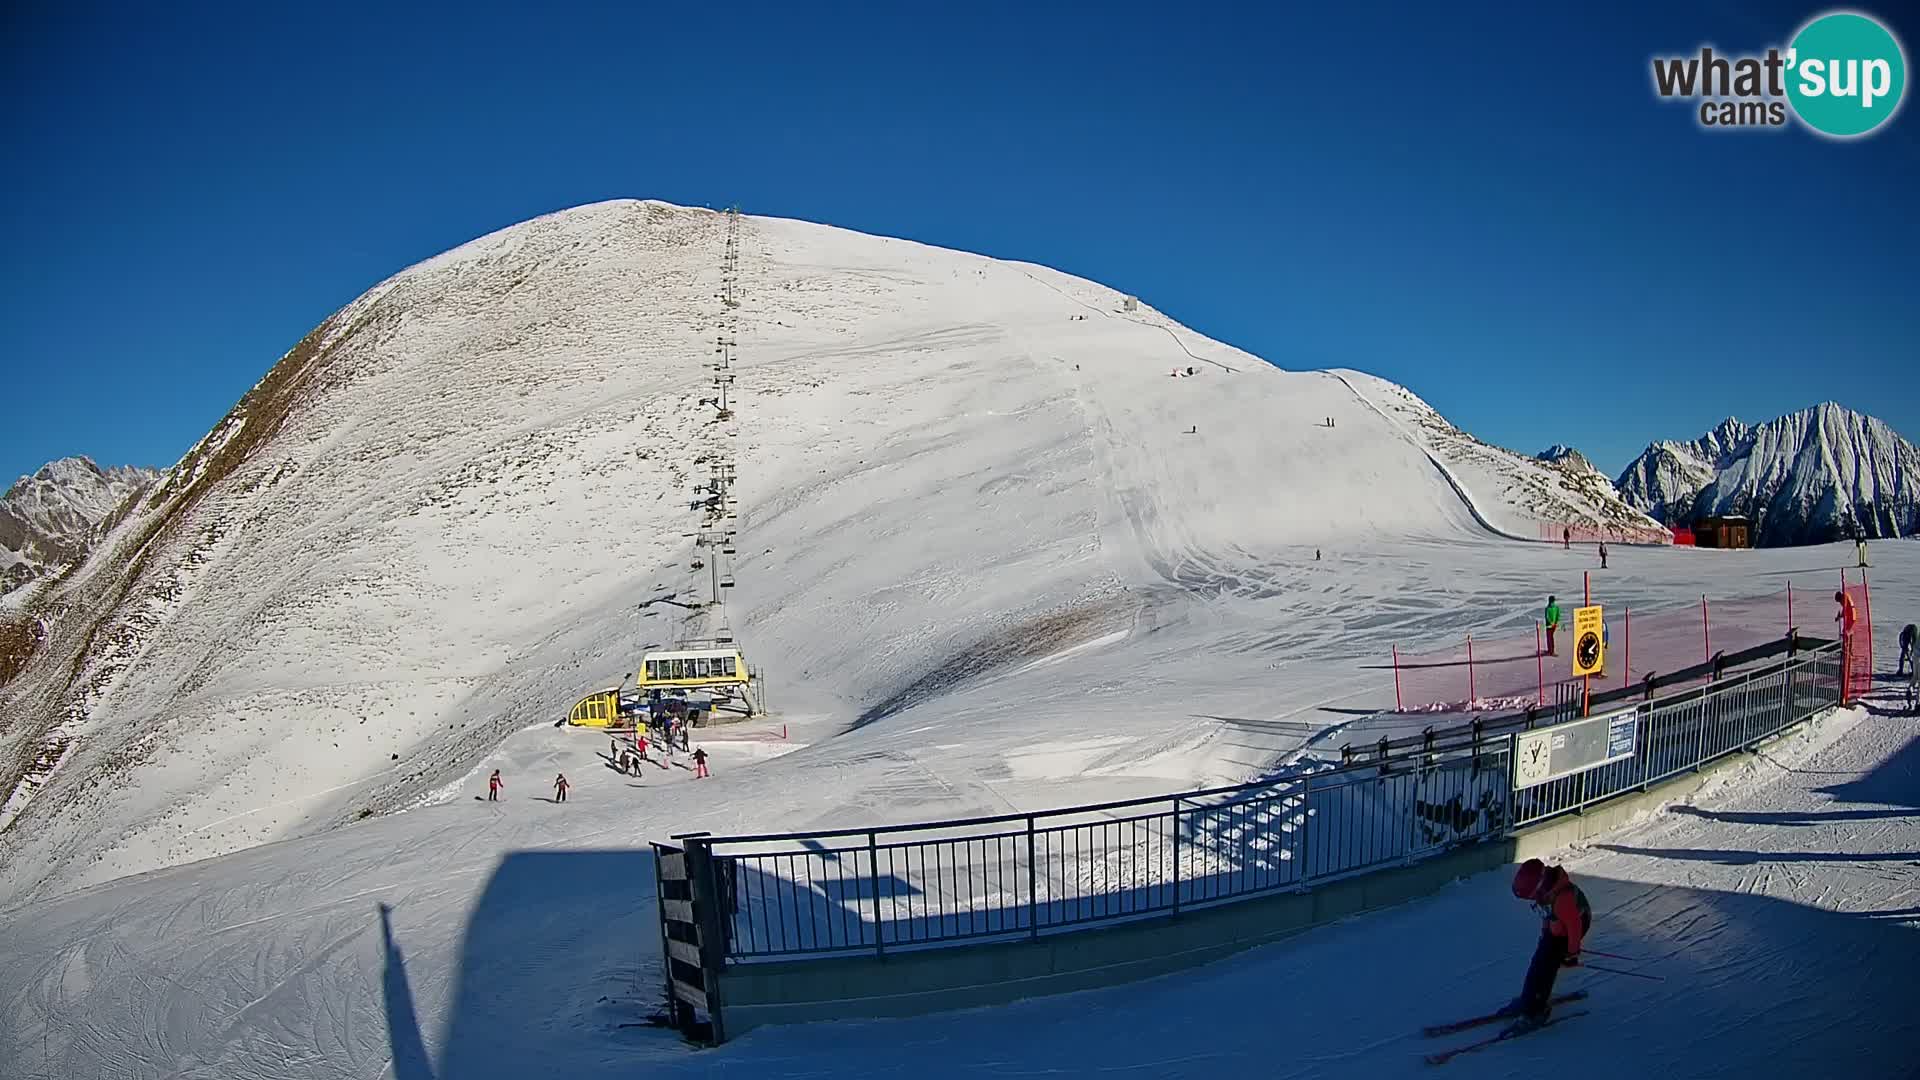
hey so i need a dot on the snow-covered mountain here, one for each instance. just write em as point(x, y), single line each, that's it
point(51, 518)
point(434, 521)
point(1810, 477)
point(1664, 479)
point(1567, 458)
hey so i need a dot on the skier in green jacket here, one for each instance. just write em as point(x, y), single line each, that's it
point(1553, 622)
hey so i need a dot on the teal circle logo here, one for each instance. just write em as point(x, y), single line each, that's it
point(1845, 74)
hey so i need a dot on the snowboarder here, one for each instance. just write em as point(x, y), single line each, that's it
point(1566, 918)
point(1566, 537)
point(560, 787)
point(1845, 616)
point(494, 784)
point(1603, 554)
point(640, 744)
point(700, 764)
point(1907, 658)
point(1553, 623)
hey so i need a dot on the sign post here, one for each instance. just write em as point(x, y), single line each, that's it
point(1589, 648)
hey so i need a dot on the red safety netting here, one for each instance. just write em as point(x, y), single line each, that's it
point(1508, 671)
point(1859, 639)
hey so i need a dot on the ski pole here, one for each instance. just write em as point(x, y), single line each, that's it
point(1617, 971)
point(1611, 955)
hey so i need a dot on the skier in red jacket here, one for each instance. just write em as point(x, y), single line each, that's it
point(1566, 918)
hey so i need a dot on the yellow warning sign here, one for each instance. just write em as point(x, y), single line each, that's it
point(1589, 641)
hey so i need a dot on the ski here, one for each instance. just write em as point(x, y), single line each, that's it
point(1509, 1032)
point(1474, 1022)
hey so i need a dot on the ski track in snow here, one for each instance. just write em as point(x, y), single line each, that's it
point(955, 495)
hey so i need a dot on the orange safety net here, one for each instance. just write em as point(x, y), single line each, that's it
point(1506, 670)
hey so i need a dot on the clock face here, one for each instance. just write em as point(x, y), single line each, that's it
point(1586, 651)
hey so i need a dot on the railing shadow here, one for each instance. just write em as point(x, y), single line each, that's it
point(409, 1050)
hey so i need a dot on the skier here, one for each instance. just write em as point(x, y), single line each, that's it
point(560, 787)
point(1553, 622)
point(1845, 616)
point(1566, 537)
point(640, 743)
point(494, 784)
point(1566, 918)
point(1907, 657)
point(700, 764)
point(1603, 554)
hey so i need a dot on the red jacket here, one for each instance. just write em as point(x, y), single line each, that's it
point(1561, 906)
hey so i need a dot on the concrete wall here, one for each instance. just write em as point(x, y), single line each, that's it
point(932, 980)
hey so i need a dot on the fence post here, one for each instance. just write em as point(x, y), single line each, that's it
point(1176, 856)
point(1033, 896)
point(1626, 665)
point(873, 867)
point(1706, 634)
point(1398, 705)
point(1470, 694)
point(706, 912)
point(1306, 825)
point(1866, 615)
point(1539, 667)
point(1789, 607)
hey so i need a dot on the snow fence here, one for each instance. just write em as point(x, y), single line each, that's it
point(1504, 671)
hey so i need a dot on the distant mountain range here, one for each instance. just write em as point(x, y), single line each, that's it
point(51, 519)
point(1810, 477)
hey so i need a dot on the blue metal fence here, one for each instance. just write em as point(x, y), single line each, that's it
point(1022, 875)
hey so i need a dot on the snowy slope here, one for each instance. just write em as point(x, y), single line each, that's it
point(433, 521)
point(1525, 498)
point(49, 519)
point(1778, 910)
point(1809, 477)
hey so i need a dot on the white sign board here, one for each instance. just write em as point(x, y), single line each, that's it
point(1565, 749)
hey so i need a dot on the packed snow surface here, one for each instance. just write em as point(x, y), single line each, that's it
point(436, 521)
point(1777, 908)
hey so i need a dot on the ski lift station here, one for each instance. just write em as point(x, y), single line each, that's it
point(719, 676)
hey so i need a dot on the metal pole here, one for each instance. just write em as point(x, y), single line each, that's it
point(1306, 824)
point(1398, 704)
point(1176, 855)
point(1866, 616)
point(1789, 607)
point(1539, 667)
point(1033, 896)
point(873, 867)
point(1470, 694)
point(1706, 633)
point(1626, 665)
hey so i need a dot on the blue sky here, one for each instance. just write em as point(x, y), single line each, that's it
point(1486, 204)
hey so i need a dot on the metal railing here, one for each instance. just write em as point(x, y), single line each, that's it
point(1024, 875)
point(1684, 732)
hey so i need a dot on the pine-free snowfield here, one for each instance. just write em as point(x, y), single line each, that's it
point(1779, 909)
